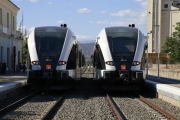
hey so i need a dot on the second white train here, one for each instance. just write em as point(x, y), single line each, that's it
point(119, 56)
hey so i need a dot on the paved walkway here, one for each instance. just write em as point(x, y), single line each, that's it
point(12, 77)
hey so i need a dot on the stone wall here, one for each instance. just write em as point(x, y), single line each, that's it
point(169, 73)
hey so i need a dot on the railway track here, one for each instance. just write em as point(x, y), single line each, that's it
point(122, 115)
point(47, 116)
point(10, 110)
point(85, 101)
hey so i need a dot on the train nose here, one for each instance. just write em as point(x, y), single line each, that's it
point(124, 75)
point(45, 75)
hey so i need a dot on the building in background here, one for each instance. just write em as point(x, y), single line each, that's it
point(10, 39)
point(165, 13)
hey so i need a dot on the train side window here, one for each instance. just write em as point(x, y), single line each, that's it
point(71, 63)
point(101, 59)
point(165, 5)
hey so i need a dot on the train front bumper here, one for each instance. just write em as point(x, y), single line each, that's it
point(54, 76)
point(120, 75)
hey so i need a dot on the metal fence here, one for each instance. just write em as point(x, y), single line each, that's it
point(165, 70)
point(165, 66)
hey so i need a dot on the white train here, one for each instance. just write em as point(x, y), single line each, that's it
point(55, 55)
point(119, 56)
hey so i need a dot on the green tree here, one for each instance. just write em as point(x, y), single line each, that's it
point(24, 49)
point(172, 45)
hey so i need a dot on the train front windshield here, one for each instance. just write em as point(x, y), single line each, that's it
point(122, 41)
point(50, 40)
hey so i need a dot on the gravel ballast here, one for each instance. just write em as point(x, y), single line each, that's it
point(168, 107)
point(34, 108)
point(13, 95)
point(135, 109)
point(86, 101)
point(79, 108)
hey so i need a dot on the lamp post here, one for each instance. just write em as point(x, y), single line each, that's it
point(158, 46)
point(147, 49)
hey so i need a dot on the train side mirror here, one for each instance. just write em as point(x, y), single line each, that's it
point(75, 46)
point(74, 37)
point(97, 47)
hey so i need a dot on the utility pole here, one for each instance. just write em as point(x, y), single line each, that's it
point(22, 24)
point(158, 46)
point(147, 49)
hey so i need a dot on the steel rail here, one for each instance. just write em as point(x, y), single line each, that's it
point(158, 108)
point(114, 108)
point(11, 106)
point(49, 113)
point(60, 100)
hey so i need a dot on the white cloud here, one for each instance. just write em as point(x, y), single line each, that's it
point(140, 20)
point(104, 11)
point(60, 22)
point(82, 37)
point(49, 2)
point(144, 4)
point(124, 13)
point(90, 21)
point(33, 0)
point(103, 22)
point(71, 4)
point(83, 10)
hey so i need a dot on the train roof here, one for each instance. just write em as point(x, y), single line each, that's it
point(50, 29)
point(121, 29)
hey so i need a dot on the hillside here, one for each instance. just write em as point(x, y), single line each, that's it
point(87, 48)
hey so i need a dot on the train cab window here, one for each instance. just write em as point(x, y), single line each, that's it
point(49, 41)
point(122, 42)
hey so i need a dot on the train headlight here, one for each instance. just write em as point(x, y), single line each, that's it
point(35, 62)
point(61, 63)
point(110, 63)
point(136, 63)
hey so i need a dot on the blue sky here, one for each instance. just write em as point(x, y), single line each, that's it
point(86, 18)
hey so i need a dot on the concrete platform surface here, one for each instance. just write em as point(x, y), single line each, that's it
point(12, 85)
point(169, 90)
point(12, 77)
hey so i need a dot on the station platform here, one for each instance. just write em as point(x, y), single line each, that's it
point(12, 77)
point(12, 80)
point(169, 92)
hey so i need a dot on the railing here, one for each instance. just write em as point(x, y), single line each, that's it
point(165, 66)
point(165, 70)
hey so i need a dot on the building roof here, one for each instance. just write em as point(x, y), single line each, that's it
point(13, 4)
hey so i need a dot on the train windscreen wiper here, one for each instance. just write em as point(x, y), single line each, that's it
point(116, 50)
point(41, 48)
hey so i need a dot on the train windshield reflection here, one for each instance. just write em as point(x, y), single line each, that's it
point(49, 42)
point(122, 44)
